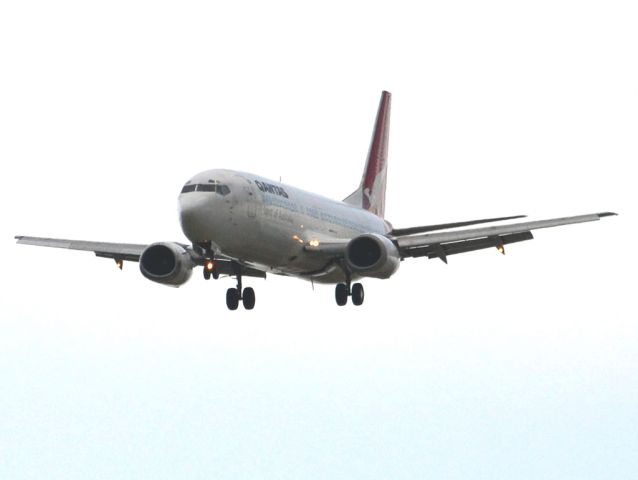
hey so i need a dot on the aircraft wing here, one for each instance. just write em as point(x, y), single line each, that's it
point(440, 245)
point(132, 252)
point(119, 251)
point(397, 232)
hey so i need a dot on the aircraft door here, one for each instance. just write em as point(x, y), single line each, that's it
point(251, 201)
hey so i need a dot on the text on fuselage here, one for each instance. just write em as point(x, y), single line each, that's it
point(270, 188)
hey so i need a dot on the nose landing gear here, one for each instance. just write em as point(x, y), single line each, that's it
point(210, 269)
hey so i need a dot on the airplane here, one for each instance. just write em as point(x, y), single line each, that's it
point(243, 225)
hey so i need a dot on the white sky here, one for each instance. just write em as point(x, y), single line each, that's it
point(523, 366)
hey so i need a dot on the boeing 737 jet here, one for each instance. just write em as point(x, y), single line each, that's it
point(242, 225)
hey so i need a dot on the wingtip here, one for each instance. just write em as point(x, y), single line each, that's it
point(606, 214)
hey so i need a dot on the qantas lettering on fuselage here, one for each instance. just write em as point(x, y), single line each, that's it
point(270, 188)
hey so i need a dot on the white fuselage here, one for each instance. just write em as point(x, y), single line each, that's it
point(266, 224)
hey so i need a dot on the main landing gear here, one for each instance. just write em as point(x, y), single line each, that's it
point(233, 295)
point(344, 290)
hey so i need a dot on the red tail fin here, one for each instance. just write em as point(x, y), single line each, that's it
point(371, 192)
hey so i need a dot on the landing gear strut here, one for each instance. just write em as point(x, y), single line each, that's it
point(345, 290)
point(234, 295)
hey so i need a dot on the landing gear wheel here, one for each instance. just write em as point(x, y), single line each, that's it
point(248, 298)
point(341, 294)
point(232, 298)
point(206, 274)
point(357, 294)
point(215, 274)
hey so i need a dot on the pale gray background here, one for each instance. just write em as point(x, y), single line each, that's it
point(523, 366)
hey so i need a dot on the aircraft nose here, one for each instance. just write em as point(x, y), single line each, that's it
point(192, 215)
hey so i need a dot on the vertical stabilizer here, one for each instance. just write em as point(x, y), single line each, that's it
point(371, 192)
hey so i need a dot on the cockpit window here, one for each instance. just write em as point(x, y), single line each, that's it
point(213, 186)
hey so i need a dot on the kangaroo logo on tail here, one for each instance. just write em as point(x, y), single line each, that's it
point(371, 192)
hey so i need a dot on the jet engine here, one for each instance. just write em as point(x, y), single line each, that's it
point(372, 255)
point(166, 263)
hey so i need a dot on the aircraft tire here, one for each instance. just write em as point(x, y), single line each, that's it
point(206, 274)
point(248, 298)
point(341, 294)
point(357, 294)
point(232, 298)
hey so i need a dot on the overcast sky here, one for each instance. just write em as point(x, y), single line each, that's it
point(520, 366)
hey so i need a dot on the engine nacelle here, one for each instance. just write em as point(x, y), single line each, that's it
point(166, 263)
point(372, 255)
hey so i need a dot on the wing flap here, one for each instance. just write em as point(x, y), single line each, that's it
point(443, 250)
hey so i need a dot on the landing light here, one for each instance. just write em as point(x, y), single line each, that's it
point(313, 243)
point(210, 265)
point(501, 249)
point(119, 263)
point(297, 238)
